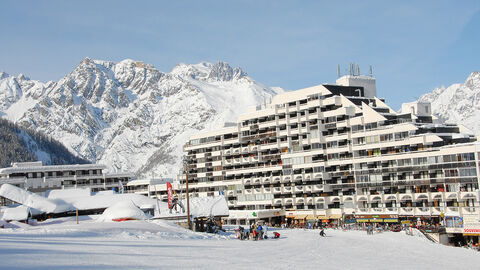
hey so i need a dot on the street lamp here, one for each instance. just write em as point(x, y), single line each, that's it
point(185, 167)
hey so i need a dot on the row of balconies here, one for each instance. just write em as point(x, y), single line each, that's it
point(419, 211)
point(296, 178)
point(384, 198)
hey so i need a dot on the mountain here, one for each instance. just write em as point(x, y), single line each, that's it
point(129, 115)
point(458, 103)
point(20, 145)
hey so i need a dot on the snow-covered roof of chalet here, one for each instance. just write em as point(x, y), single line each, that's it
point(71, 199)
point(38, 167)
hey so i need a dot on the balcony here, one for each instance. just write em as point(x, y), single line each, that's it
point(299, 200)
point(436, 211)
point(308, 188)
point(405, 197)
point(309, 201)
point(298, 189)
point(468, 195)
point(267, 190)
point(436, 196)
point(418, 197)
point(276, 179)
point(297, 178)
point(422, 211)
point(319, 200)
point(450, 196)
point(277, 190)
point(287, 190)
point(390, 197)
point(257, 181)
point(406, 211)
point(375, 198)
point(230, 193)
point(452, 211)
point(286, 179)
point(257, 191)
point(469, 210)
point(391, 210)
point(277, 201)
point(266, 180)
point(362, 198)
point(288, 201)
point(317, 188)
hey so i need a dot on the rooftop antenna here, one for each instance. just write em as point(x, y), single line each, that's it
point(350, 69)
point(338, 70)
point(358, 70)
point(371, 71)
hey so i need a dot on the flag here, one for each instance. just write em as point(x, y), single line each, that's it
point(169, 194)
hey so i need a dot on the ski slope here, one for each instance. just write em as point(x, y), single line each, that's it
point(62, 244)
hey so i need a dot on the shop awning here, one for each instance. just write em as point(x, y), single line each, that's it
point(310, 217)
point(335, 216)
point(300, 216)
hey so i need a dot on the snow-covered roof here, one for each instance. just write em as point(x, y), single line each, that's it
point(41, 168)
point(60, 201)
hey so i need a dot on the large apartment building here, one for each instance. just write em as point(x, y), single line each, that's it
point(38, 178)
point(333, 152)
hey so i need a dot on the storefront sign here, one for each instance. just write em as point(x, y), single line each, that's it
point(390, 220)
point(471, 225)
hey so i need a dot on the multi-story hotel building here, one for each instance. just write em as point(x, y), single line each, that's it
point(333, 151)
point(38, 178)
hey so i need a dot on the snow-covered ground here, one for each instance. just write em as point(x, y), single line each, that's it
point(62, 244)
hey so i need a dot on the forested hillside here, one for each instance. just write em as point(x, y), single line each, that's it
point(19, 145)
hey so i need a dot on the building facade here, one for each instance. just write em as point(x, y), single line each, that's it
point(38, 178)
point(337, 152)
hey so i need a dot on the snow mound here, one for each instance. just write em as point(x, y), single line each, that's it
point(122, 210)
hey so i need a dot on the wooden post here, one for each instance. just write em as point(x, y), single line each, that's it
point(76, 214)
point(188, 196)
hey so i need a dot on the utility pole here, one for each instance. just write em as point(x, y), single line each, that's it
point(185, 161)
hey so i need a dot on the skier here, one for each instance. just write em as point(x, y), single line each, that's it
point(322, 233)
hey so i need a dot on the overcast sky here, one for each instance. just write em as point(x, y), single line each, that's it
point(413, 46)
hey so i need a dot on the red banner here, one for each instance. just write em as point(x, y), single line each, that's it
point(169, 194)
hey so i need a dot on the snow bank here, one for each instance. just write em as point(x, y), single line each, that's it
point(122, 210)
point(16, 213)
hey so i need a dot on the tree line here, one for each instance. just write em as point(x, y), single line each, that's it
point(15, 146)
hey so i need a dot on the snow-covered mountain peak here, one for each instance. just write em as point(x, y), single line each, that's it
point(129, 115)
point(458, 103)
point(473, 81)
point(3, 75)
point(221, 71)
point(205, 71)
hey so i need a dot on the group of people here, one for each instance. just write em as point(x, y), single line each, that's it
point(256, 231)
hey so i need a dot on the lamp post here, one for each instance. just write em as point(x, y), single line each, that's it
point(185, 164)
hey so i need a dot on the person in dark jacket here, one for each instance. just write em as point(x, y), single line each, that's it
point(322, 233)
